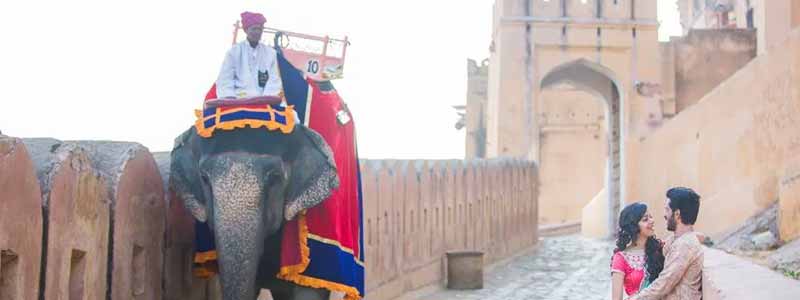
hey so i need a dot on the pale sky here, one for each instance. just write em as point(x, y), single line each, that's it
point(136, 70)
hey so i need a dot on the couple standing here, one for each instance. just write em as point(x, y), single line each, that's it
point(646, 268)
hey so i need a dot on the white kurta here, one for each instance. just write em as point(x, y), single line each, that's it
point(239, 76)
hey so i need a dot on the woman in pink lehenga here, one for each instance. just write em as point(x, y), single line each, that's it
point(638, 258)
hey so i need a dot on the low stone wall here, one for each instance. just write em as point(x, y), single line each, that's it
point(789, 201)
point(415, 211)
point(134, 186)
point(179, 282)
point(112, 228)
point(20, 222)
point(594, 217)
point(76, 213)
point(99, 231)
point(705, 58)
point(723, 279)
point(735, 147)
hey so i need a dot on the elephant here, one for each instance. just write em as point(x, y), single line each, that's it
point(245, 183)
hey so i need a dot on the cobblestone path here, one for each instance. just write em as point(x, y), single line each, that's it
point(569, 267)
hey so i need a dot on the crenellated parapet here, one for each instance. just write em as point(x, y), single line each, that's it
point(416, 210)
point(96, 219)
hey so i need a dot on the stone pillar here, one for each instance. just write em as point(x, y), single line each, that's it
point(419, 236)
point(477, 81)
point(179, 282)
point(387, 238)
point(427, 192)
point(76, 208)
point(408, 210)
point(20, 222)
point(137, 217)
point(506, 131)
point(371, 224)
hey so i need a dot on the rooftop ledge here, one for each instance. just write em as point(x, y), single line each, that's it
point(728, 277)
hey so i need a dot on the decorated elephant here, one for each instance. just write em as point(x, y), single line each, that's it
point(246, 183)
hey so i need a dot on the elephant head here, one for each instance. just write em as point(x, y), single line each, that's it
point(245, 183)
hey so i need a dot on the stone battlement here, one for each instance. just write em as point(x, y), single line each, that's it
point(112, 226)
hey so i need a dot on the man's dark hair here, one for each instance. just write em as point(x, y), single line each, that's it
point(686, 201)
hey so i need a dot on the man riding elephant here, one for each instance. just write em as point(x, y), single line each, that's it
point(262, 183)
point(250, 68)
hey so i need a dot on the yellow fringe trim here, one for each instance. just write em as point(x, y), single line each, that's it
point(350, 293)
point(292, 273)
point(271, 125)
point(203, 257)
point(203, 273)
point(295, 270)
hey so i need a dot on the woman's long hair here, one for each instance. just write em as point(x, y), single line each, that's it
point(629, 232)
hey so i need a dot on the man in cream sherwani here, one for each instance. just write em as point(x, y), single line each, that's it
point(250, 68)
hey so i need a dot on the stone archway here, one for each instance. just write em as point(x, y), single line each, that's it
point(600, 82)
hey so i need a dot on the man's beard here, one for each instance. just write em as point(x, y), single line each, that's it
point(671, 223)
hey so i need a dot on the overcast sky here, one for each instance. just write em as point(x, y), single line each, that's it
point(136, 70)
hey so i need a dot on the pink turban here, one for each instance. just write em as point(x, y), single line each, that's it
point(250, 19)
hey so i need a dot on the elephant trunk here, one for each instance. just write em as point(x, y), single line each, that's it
point(239, 251)
point(238, 222)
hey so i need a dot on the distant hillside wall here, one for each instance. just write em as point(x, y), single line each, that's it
point(735, 146)
point(417, 210)
point(703, 59)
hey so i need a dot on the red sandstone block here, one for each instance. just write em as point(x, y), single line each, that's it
point(20, 222)
point(371, 225)
point(409, 207)
point(138, 213)
point(386, 237)
point(429, 193)
point(77, 221)
point(179, 282)
point(398, 202)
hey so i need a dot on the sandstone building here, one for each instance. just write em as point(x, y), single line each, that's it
point(586, 89)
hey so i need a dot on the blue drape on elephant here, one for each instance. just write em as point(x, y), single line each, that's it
point(323, 247)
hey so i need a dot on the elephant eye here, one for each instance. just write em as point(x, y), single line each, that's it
point(273, 178)
point(205, 182)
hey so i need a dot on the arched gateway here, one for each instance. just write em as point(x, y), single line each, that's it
point(562, 91)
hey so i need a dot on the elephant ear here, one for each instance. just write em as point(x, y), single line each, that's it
point(185, 178)
point(313, 174)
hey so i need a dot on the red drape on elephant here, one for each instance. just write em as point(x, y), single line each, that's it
point(332, 229)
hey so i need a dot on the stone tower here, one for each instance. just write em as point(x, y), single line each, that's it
point(571, 84)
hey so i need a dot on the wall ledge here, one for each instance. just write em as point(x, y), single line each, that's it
point(726, 276)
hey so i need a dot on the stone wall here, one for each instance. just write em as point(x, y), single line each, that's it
point(705, 58)
point(20, 222)
point(415, 211)
point(594, 218)
point(735, 146)
point(112, 228)
point(76, 218)
point(91, 226)
point(136, 194)
point(475, 118)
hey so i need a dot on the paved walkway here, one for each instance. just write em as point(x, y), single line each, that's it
point(569, 267)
